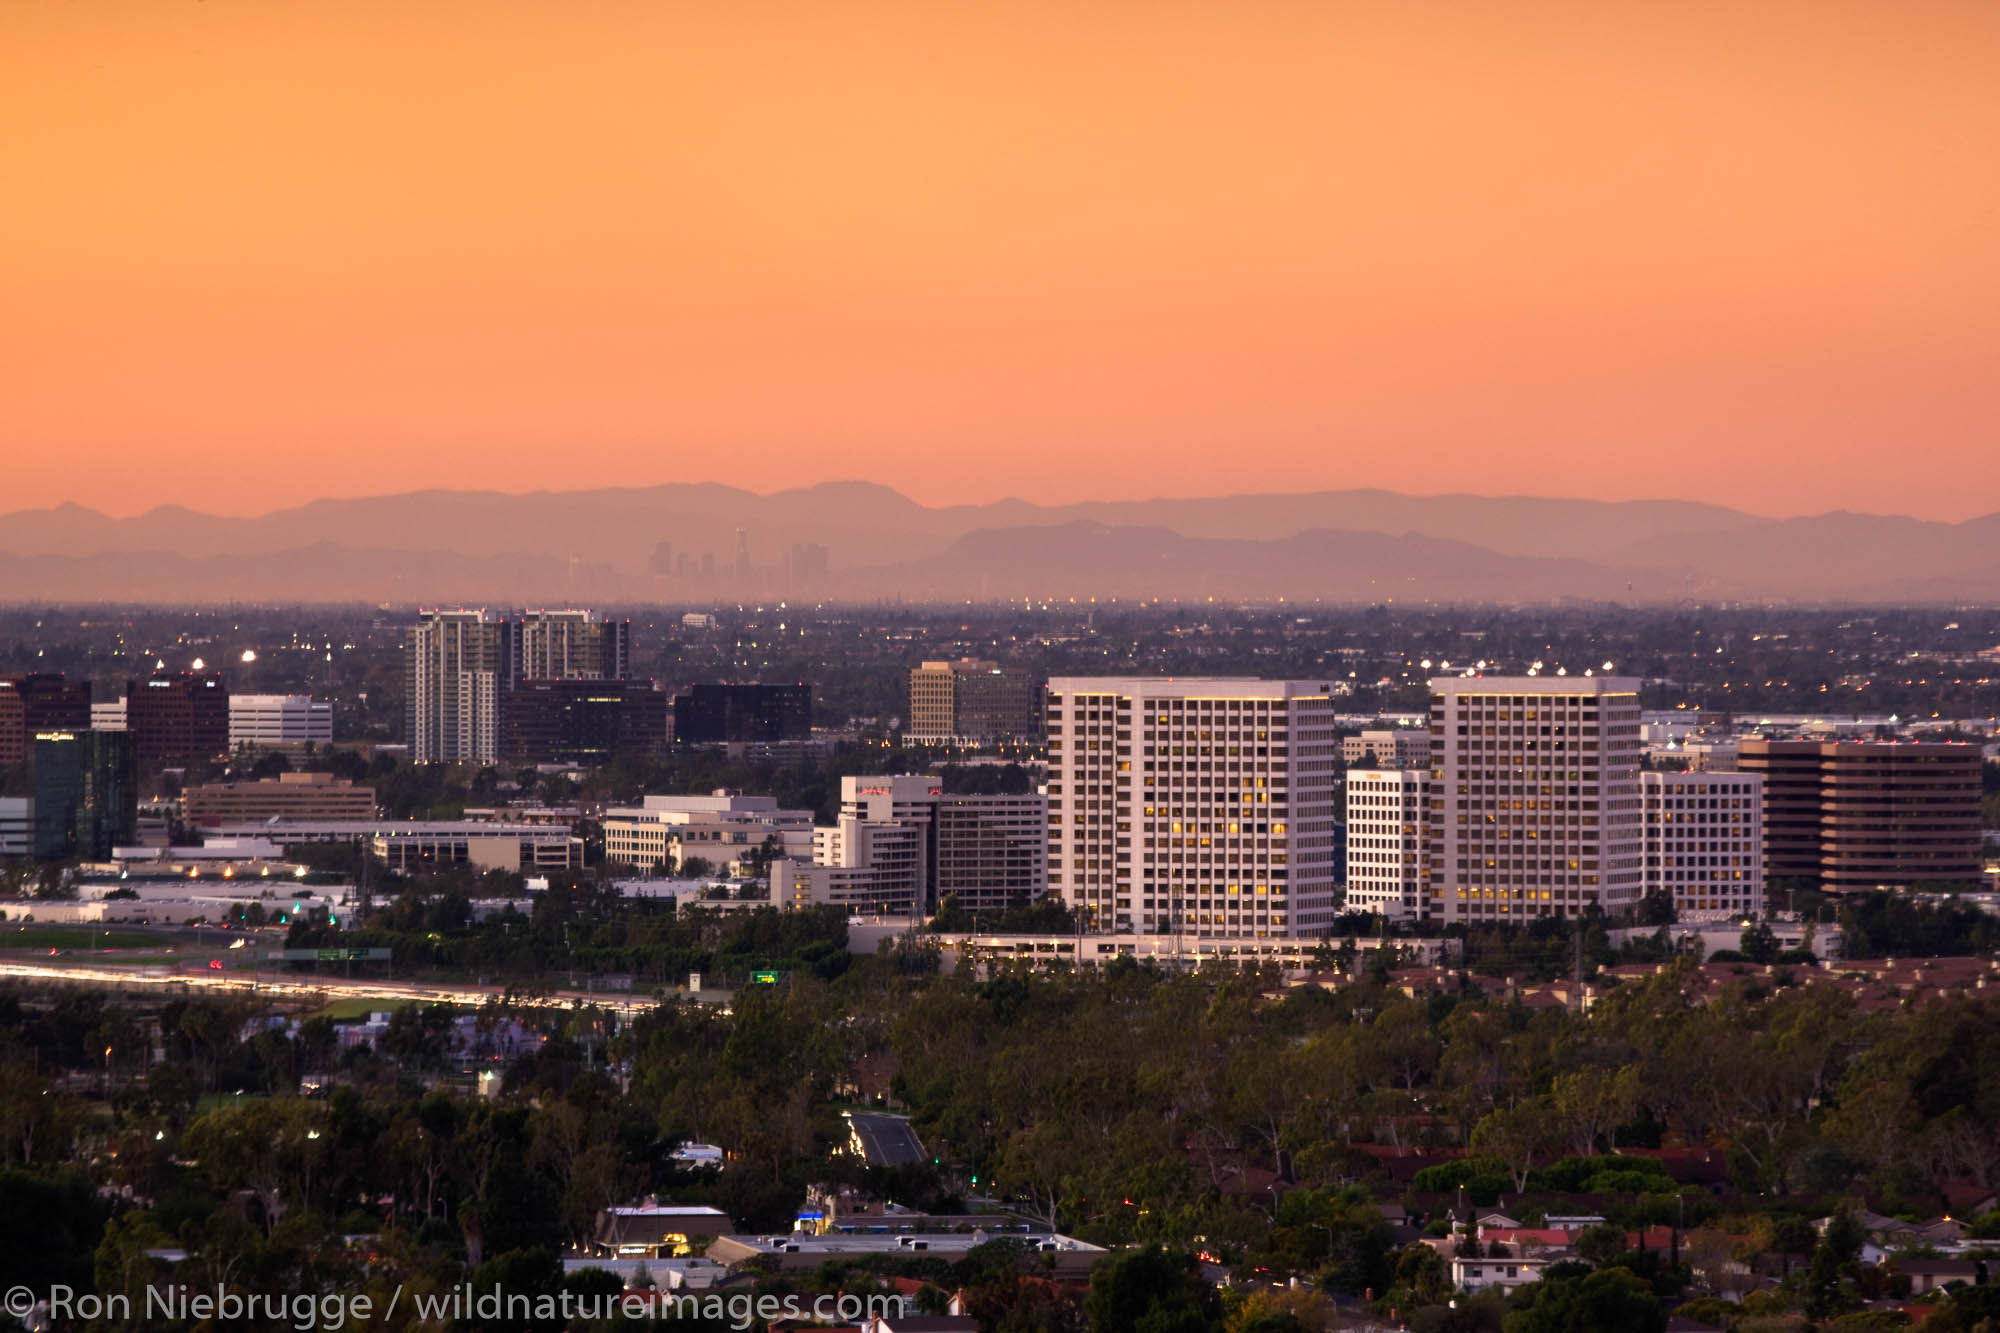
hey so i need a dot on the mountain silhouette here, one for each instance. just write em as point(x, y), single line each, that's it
point(653, 544)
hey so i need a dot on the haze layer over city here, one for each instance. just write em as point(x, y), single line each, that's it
point(1000, 668)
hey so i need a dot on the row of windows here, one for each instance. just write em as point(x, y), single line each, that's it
point(1098, 708)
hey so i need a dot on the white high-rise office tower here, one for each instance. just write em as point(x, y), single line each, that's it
point(1535, 808)
point(1386, 810)
point(1201, 807)
point(456, 663)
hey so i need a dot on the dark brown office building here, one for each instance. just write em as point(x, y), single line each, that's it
point(1857, 815)
point(42, 701)
point(717, 714)
point(175, 720)
point(581, 721)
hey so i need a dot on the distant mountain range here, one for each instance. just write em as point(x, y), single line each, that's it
point(651, 544)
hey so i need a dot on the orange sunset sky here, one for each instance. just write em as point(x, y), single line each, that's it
point(253, 252)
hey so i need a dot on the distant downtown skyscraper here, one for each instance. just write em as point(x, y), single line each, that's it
point(1200, 807)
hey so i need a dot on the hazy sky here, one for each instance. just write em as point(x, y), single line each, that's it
point(256, 251)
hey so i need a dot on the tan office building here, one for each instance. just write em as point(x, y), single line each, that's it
point(971, 702)
point(290, 796)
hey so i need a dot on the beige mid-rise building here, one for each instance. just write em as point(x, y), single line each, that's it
point(278, 721)
point(971, 702)
point(289, 796)
point(569, 645)
point(902, 844)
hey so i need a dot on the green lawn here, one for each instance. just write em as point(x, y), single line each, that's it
point(359, 1006)
point(209, 1101)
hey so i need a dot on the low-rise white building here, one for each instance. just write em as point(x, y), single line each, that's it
point(204, 895)
point(17, 825)
point(641, 1274)
point(1058, 1256)
point(273, 721)
point(1703, 756)
point(1297, 957)
point(663, 832)
point(409, 844)
point(869, 868)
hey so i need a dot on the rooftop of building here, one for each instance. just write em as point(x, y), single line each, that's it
point(1586, 683)
point(1197, 687)
point(277, 827)
point(318, 780)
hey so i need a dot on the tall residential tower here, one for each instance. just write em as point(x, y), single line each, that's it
point(456, 664)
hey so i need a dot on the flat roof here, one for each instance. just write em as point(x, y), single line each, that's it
point(838, 1243)
point(277, 827)
point(667, 1210)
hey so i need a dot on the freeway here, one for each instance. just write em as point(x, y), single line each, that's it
point(307, 988)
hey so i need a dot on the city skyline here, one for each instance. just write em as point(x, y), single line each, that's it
point(1975, 507)
point(1094, 668)
point(256, 254)
point(688, 541)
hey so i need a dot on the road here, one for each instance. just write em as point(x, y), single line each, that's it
point(885, 1140)
point(283, 986)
